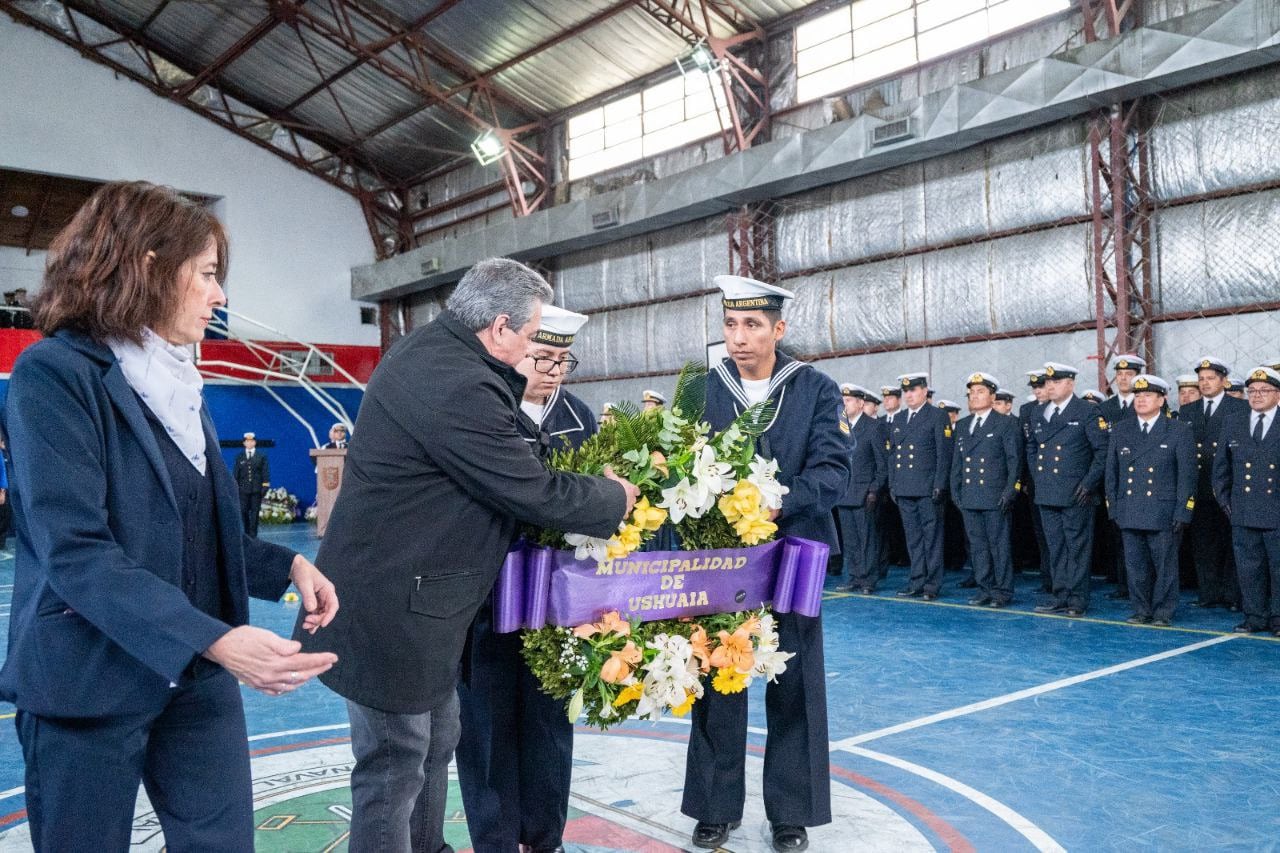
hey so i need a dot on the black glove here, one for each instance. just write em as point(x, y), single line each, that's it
point(939, 495)
point(1177, 526)
point(1006, 503)
point(1084, 497)
point(1029, 487)
point(873, 497)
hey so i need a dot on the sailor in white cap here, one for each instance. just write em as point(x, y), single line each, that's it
point(1188, 393)
point(253, 477)
point(805, 438)
point(1150, 489)
point(650, 399)
point(337, 437)
point(857, 508)
point(515, 752)
point(1068, 451)
point(919, 475)
point(1125, 368)
point(1210, 533)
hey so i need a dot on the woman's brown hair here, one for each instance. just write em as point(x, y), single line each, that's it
point(117, 266)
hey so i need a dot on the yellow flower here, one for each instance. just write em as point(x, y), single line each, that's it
point(630, 694)
point(754, 528)
point(646, 517)
point(617, 549)
point(729, 680)
point(683, 708)
point(630, 538)
point(744, 500)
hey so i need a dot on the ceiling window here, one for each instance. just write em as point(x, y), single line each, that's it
point(657, 119)
point(869, 39)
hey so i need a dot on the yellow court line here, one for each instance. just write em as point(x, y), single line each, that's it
point(1264, 636)
point(7, 716)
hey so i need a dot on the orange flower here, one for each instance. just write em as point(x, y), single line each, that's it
point(734, 652)
point(659, 462)
point(620, 663)
point(610, 622)
point(751, 626)
point(701, 648)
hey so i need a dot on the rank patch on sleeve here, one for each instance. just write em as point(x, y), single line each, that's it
point(1191, 503)
point(1102, 424)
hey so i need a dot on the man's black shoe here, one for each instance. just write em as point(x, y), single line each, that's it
point(929, 596)
point(1160, 623)
point(1205, 604)
point(1053, 607)
point(789, 839)
point(847, 587)
point(1074, 612)
point(997, 603)
point(713, 835)
point(907, 592)
point(1246, 628)
point(1118, 595)
point(979, 600)
point(1138, 619)
point(968, 583)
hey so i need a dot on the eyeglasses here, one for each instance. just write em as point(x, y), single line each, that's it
point(1262, 392)
point(545, 365)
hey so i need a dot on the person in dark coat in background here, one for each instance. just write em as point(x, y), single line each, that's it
point(985, 468)
point(1026, 416)
point(1246, 484)
point(1119, 406)
point(253, 478)
point(893, 541)
point(432, 498)
point(337, 437)
point(1150, 488)
point(133, 574)
point(919, 478)
point(805, 438)
point(515, 754)
point(856, 511)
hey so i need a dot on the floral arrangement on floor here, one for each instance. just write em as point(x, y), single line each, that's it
point(716, 493)
point(278, 507)
point(312, 515)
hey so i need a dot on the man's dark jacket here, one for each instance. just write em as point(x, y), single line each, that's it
point(431, 498)
point(252, 474)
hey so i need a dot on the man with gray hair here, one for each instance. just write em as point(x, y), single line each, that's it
point(445, 476)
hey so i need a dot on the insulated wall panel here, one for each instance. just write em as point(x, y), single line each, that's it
point(677, 333)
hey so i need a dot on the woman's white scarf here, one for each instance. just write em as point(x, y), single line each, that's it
point(166, 379)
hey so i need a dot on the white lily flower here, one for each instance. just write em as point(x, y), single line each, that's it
point(588, 546)
point(686, 498)
point(708, 471)
point(764, 476)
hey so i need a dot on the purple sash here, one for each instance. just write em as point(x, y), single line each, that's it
point(538, 586)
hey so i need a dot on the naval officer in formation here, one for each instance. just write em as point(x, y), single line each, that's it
point(859, 531)
point(919, 448)
point(806, 438)
point(1150, 489)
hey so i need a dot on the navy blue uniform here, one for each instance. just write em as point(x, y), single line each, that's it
point(859, 530)
point(813, 460)
point(893, 541)
point(1027, 413)
point(1150, 488)
point(1111, 553)
point(1246, 481)
point(919, 469)
point(1067, 455)
point(1210, 528)
point(985, 470)
point(515, 755)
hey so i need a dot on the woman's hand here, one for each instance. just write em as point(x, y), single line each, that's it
point(265, 661)
point(319, 596)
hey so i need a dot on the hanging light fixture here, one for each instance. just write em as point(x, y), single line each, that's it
point(700, 59)
point(488, 147)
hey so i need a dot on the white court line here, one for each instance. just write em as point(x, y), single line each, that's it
point(1026, 694)
point(270, 735)
point(1040, 839)
point(12, 792)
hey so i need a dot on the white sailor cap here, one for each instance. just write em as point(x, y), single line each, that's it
point(1273, 362)
point(848, 389)
point(249, 435)
point(747, 294)
point(606, 408)
point(1212, 362)
point(1035, 378)
point(1058, 370)
point(1007, 396)
point(558, 326)
point(1129, 361)
point(1262, 373)
point(890, 391)
point(871, 396)
point(648, 395)
point(1093, 394)
point(339, 425)
point(980, 378)
point(1147, 382)
point(1187, 380)
point(948, 406)
point(913, 380)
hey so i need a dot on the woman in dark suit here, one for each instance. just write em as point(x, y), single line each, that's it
point(133, 572)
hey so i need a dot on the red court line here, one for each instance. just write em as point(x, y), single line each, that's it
point(13, 817)
point(288, 747)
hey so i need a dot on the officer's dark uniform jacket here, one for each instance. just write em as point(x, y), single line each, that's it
point(1113, 410)
point(1066, 453)
point(868, 459)
point(919, 452)
point(1207, 433)
point(986, 466)
point(1151, 479)
point(566, 422)
point(804, 437)
point(1246, 473)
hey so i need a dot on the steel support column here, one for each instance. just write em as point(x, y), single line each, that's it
point(1121, 208)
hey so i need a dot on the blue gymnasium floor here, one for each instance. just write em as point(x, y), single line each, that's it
point(952, 727)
